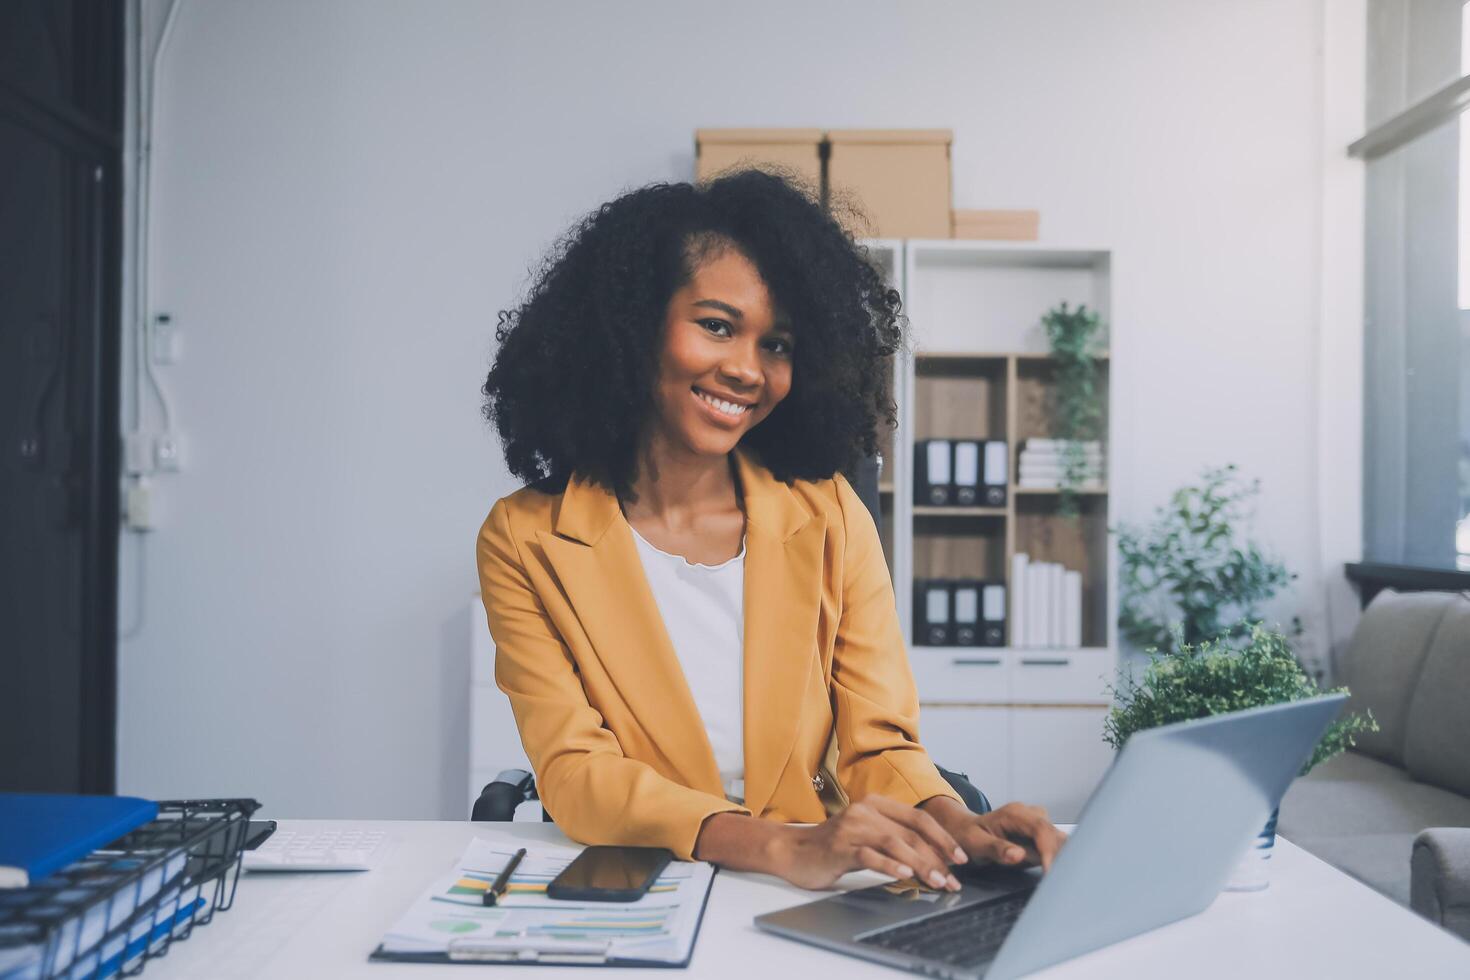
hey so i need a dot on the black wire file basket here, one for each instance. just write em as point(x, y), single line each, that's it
point(113, 911)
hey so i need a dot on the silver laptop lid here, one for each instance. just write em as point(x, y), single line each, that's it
point(1163, 831)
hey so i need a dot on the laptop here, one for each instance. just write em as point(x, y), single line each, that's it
point(1156, 842)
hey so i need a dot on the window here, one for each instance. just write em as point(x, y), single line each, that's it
point(1462, 529)
point(1416, 499)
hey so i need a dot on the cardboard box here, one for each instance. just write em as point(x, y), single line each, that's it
point(900, 177)
point(793, 149)
point(1006, 226)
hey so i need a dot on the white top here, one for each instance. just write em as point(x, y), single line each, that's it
point(703, 608)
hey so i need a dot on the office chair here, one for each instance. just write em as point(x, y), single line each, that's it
point(500, 797)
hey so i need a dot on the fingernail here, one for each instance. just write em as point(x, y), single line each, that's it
point(954, 883)
point(904, 871)
point(961, 857)
point(936, 878)
point(1015, 854)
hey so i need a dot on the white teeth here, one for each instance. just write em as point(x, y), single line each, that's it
point(728, 408)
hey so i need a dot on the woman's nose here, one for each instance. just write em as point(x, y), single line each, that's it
point(742, 366)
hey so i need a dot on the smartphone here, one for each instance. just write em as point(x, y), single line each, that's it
point(257, 831)
point(609, 874)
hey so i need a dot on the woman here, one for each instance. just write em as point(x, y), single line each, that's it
point(690, 606)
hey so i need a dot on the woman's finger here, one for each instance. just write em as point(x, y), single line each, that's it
point(875, 860)
point(907, 847)
point(1026, 827)
point(910, 849)
point(888, 829)
point(1046, 839)
point(1032, 827)
point(983, 845)
point(945, 846)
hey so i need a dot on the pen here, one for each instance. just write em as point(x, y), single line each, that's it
point(502, 880)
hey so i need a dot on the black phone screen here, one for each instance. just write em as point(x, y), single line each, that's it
point(612, 869)
point(257, 831)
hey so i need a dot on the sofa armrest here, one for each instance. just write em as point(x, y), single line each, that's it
point(1439, 878)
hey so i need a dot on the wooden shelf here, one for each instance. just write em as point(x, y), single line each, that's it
point(1100, 355)
point(1021, 705)
point(957, 355)
point(964, 253)
point(921, 510)
point(949, 543)
point(1055, 491)
point(960, 397)
point(1008, 651)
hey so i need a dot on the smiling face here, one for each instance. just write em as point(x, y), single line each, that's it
point(726, 357)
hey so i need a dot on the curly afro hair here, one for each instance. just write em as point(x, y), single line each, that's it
point(571, 388)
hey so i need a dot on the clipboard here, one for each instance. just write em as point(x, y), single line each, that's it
point(544, 953)
point(542, 949)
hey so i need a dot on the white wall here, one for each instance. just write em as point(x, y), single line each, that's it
point(1339, 363)
point(347, 191)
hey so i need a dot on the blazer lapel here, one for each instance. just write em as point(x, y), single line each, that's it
point(597, 563)
point(783, 591)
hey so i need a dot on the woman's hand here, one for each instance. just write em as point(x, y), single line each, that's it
point(875, 833)
point(885, 836)
point(1011, 835)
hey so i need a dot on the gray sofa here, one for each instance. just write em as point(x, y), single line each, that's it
point(1395, 812)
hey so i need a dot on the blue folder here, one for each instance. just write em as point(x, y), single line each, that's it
point(41, 833)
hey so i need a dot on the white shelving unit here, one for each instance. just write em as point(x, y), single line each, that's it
point(1022, 723)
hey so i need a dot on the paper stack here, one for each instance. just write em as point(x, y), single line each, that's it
point(1044, 463)
point(1046, 604)
point(451, 923)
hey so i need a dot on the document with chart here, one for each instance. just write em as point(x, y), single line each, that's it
point(450, 922)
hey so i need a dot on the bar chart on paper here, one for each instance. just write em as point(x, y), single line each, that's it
point(450, 918)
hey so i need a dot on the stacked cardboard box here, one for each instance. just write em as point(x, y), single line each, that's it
point(899, 178)
point(1010, 226)
point(798, 150)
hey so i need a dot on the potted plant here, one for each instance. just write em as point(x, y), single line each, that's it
point(1074, 339)
point(1188, 577)
point(1212, 677)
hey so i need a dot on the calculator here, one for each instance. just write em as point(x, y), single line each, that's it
point(318, 850)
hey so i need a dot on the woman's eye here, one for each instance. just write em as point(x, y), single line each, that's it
point(782, 347)
point(715, 326)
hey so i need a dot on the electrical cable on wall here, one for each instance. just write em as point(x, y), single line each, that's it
point(139, 459)
point(142, 456)
point(140, 589)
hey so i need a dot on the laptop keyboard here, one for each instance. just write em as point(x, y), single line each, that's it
point(964, 937)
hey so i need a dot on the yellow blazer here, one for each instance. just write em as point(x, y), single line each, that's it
point(605, 715)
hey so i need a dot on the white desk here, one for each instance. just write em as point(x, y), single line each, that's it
point(1313, 921)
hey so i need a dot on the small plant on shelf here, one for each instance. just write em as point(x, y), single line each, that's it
point(1074, 339)
point(1186, 578)
point(1211, 678)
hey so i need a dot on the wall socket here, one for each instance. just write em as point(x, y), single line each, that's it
point(137, 453)
point(138, 506)
point(164, 341)
point(168, 453)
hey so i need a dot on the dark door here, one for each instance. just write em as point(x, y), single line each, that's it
point(60, 197)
